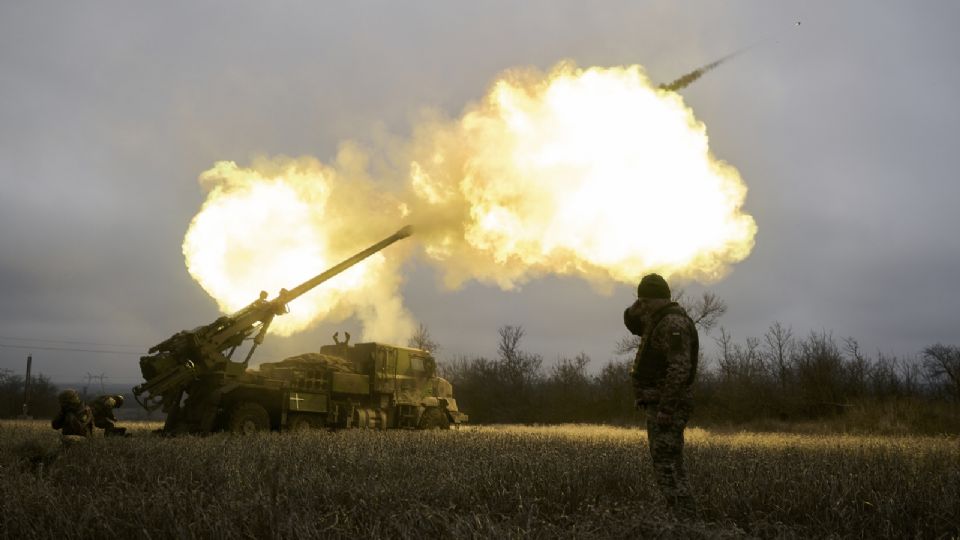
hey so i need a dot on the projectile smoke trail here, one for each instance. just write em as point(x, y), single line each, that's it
point(690, 78)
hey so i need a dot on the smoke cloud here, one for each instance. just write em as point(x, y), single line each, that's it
point(594, 173)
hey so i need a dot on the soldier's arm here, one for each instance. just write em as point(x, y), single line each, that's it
point(57, 422)
point(70, 423)
point(631, 318)
point(672, 338)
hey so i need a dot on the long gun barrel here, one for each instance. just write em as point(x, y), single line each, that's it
point(175, 363)
point(265, 311)
point(327, 274)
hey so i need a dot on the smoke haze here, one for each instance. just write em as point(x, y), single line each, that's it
point(567, 172)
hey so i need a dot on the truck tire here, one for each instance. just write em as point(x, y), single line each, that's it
point(434, 418)
point(248, 417)
point(303, 422)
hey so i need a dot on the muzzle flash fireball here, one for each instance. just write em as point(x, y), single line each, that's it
point(594, 173)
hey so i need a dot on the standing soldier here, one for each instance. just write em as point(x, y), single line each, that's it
point(663, 373)
point(103, 416)
point(74, 419)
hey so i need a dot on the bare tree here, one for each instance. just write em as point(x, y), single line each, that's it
point(570, 372)
point(889, 377)
point(910, 375)
point(942, 363)
point(705, 311)
point(627, 345)
point(422, 340)
point(857, 367)
point(509, 345)
point(780, 346)
point(820, 370)
point(520, 368)
point(725, 341)
point(519, 374)
point(852, 347)
point(751, 353)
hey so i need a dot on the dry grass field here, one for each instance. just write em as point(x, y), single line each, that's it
point(510, 481)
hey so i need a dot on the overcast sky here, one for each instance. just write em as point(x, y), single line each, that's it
point(844, 129)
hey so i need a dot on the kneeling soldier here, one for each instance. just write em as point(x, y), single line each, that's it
point(75, 419)
point(103, 416)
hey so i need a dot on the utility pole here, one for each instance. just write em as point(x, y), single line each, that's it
point(86, 386)
point(26, 389)
point(90, 378)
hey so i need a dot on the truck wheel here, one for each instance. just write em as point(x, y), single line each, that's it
point(303, 422)
point(248, 417)
point(434, 418)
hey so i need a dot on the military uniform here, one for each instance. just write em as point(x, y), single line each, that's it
point(103, 416)
point(663, 372)
point(74, 419)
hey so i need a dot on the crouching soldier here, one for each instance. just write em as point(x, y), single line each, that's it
point(103, 416)
point(663, 374)
point(75, 420)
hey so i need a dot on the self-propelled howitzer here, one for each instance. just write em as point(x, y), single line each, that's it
point(198, 364)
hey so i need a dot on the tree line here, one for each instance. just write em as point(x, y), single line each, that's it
point(777, 377)
point(42, 399)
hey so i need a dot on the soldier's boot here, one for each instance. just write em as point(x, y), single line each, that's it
point(115, 432)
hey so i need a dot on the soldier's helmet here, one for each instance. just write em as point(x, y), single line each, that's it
point(119, 400)
point(69, 397)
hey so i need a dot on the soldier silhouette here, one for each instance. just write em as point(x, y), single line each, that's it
point(663, 372)
point(103, 416)
point(75, 420)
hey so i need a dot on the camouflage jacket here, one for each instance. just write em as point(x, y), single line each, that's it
point(102, 408)
point(74, 421)
point(671, 339)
